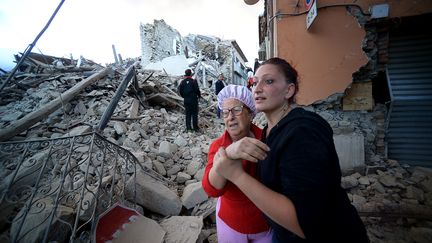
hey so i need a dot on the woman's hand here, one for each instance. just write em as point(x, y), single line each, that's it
point(226, 167)
point(247, 148)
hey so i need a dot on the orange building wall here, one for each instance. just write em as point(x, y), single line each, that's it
point(327, 54)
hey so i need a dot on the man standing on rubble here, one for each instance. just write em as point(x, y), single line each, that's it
point(219, 85)
point(190, 92)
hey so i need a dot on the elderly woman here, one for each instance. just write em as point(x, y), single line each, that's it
point(237, 218)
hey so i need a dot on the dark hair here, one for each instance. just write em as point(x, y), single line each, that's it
point(188, 72)
point(289, 72)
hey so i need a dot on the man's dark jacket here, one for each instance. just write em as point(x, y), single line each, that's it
point(219, 86)
point(189, 90)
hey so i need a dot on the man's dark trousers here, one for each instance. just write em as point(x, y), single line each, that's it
point(191, 112)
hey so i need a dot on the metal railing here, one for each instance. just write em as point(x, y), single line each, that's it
point(54, 190)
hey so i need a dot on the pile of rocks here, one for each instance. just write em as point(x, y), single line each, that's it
point(395, 202)
point(152, 132)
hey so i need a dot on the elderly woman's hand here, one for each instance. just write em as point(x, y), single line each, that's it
point(247, 148)
point(226, 167)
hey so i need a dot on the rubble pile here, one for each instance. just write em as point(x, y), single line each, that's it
point(394, 201)
point(147, 121)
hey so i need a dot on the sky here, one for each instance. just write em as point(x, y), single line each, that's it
point(90, 27)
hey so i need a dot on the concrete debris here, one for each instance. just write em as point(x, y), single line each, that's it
point(193, 194)
point(184, 229)
point(395, 201)
point(153, 195)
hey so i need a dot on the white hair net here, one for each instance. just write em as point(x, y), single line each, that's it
point(237, 92)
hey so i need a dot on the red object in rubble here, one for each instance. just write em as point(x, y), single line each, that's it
point(111, 221)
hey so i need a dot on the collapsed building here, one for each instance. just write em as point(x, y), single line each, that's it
point(208, 56)
point(78, 139)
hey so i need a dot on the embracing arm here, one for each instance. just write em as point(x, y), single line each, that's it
point(247, 148)
point(275, 205)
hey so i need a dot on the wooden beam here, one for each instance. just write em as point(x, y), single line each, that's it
point(32, 118)
point(396, 211)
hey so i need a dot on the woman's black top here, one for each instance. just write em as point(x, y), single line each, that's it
point(303, 165)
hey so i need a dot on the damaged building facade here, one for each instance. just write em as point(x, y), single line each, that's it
point(365, 66)
point(207, 56)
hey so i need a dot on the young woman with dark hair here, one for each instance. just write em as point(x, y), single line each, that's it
point(299, 184)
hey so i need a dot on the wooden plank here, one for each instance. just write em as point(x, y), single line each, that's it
point(358, 97)
point(32, 118)
point(164, 100)
point(398, 210)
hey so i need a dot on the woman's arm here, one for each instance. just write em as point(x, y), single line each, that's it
point(213, 184)
point(247, 148)
point(216, 180)
point(275, 205)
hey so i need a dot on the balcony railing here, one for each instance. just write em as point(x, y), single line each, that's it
point(54, 190)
